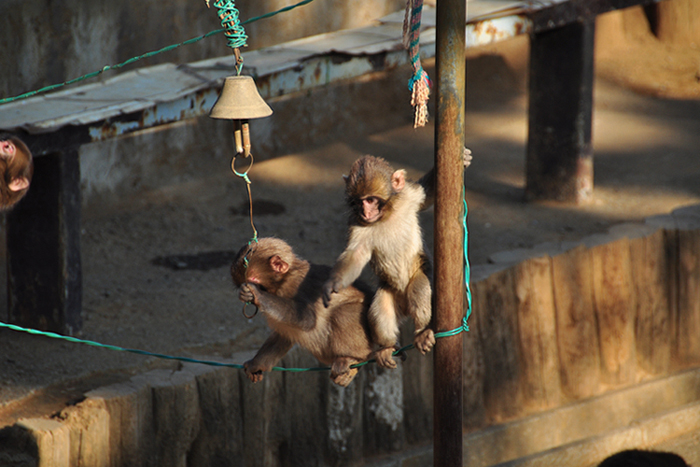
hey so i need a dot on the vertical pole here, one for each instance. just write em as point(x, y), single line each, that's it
point(448, 250)
point(559, 150)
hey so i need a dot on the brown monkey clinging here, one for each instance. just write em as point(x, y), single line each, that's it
point(385, 232)
point(287, 291)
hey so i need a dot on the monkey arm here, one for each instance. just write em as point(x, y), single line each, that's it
point(272, 350)
point(286, 311)
point(427, 181)
point(347, 269)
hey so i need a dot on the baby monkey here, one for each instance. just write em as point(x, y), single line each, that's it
point(287, 291)
point(385, 232)
point(16, 170)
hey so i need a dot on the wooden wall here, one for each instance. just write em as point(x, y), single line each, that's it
point(557, 328)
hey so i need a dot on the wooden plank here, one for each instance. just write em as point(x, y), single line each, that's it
point(499, 340)
point(689, 296)
point(577, 335)
point(417, 372)
point(473, 363)
point(537, 331)
point(614, 303)
point(655, 328)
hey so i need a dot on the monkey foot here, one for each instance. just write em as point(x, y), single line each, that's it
point(385, 358)
point(424, 340)
point(343, 379)
point(254, 372)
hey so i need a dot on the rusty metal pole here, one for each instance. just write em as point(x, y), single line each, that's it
point(448, 250)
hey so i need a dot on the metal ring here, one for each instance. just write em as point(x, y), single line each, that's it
point(233, 167)
point(251, 316)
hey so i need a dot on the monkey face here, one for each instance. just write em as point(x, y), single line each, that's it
point(264, 263)
point(369, 209)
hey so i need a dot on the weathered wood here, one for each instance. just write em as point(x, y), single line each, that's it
point(689, 296)
point(88, 424)
point(537, 332)
point(343, 427)
point(52, 440)
point(655, 328)
point(498, 328)
point(418, 379)
point(130, 409)
point(264, 429)
point(301, 417)
point(559, 150)
point(176, 418)
point(614, 304)
point(577, 335)
point(43, 248)
point(473, 362)
point(383, 414)
point(220, 436)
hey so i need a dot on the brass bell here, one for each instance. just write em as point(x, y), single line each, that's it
point(240, 101)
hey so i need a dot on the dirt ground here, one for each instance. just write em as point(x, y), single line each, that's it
point(155, 264)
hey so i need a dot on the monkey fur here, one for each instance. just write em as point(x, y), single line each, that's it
point(287, 291)
point(16, 170)
point(384, 231)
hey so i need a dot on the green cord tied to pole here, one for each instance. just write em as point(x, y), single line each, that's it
point(467, 277)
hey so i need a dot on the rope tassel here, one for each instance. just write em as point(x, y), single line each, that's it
point(419, 84)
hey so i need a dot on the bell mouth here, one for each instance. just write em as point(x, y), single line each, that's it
point(240, 100)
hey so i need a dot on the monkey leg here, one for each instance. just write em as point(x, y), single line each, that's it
point(341, 373)
point(385, 326)
point(419, 308)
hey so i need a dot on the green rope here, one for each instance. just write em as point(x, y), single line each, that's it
point(454, 332)
point(117, 348)
point(146, 55)
point(230, 21)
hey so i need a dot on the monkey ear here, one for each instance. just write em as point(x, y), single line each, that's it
point(18, 184)
point(345, 178)
point(398, 180)
point(279, 265)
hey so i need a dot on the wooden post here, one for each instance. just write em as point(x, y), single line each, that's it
point(43, 248)
point(449, 238)
point(559, 150)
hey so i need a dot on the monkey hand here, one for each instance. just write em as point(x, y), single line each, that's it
point(330, 287)
point(253, 371)
point(424, 340)
point(385, 359)
point(249, 294)
point(467, 157)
